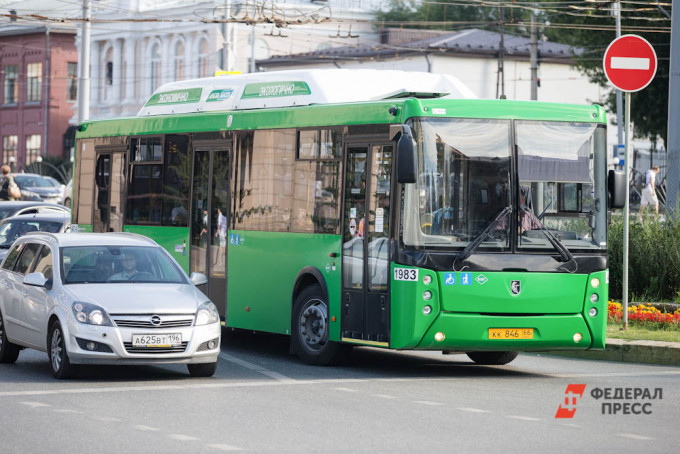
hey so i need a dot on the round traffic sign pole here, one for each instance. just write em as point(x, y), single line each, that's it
point(630, 65)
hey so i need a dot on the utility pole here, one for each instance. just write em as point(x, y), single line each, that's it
point(673, 141)
point(534, 58)
point(616, 10)
point(84, 66)
point(500, 77)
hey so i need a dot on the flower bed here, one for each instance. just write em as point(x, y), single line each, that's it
point(645, 315)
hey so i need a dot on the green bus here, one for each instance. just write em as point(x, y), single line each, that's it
point(363, 207)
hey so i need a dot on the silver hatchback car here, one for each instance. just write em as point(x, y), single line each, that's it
point(112, 298)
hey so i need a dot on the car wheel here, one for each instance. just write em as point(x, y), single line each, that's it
point(56, 350)
point(492, 358)
point(202, 369)
point(310, 330)
point(9, 352)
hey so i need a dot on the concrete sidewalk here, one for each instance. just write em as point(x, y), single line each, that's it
point(632, 351)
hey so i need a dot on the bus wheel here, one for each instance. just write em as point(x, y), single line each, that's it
point(492, 358)
point(310, 330)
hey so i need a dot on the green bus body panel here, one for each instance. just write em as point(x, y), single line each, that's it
point(175, 240)
point(376, 112)
point(541, 293)
point(473, 309)
point(261, 275)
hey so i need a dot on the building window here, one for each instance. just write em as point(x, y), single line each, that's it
point(72, 82)
point(33, 82)
point(32, 148)
point(155, 66)
point(9, 150)
point(203, 58)
point(179, 60)
point(11, 86)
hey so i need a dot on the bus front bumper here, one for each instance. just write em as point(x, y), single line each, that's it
point(455, 331)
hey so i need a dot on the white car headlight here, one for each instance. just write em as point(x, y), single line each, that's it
point(207, 314)
point(90, 314)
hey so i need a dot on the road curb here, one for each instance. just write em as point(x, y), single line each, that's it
point(631, 351)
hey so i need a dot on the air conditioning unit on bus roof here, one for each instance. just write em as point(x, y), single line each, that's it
point(298, 88)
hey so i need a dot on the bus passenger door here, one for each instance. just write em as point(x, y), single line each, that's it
point(209, 208)
point(365, 256)
point(109, 190)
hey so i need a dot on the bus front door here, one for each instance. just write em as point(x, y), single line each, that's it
point(365, 255)
point(210, 196)
point(109, 191)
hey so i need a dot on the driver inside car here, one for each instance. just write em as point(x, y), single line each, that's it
point(129, 262)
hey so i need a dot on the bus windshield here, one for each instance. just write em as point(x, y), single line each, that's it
point(465, 184)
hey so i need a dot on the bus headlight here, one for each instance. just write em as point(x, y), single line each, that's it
point(427, 296)
point(594, 298)
point(427, 310)
point(439, 336)
point(592, 312)
point(594, 282)
point(427, 280)
point(577, 337)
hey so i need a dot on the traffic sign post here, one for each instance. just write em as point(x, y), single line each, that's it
point(630, 65)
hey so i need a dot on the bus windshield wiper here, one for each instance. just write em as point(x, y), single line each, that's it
point(465, 253)
point(556, 243)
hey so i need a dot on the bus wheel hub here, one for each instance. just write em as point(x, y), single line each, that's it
point(313, 324)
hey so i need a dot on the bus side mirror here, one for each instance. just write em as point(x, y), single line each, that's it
point(617, 188)
point(406, 154)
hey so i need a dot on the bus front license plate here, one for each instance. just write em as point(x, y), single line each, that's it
point(155, 340)
point(511, 333)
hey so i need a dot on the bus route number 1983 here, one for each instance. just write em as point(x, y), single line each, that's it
point(405, 274)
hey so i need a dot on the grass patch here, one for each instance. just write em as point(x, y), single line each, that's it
point(638, 333)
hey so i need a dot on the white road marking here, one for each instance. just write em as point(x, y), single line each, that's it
point(473, 410)
point(67, 410)
point(572, 425)
point(635, 437)
point(630, 63)
point(36, 404)
point(254, 367)
point(347, 390)
point(146, 428)
point(523, 418)
point(384, 396)
point(106, 419)
point(224, 447)
point(426, 402)
point(616, 374)
point(180, 437)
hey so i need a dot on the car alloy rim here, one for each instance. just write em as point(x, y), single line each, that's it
point(56, 349)
point(313, 323)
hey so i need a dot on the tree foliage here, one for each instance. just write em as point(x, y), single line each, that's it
point(579, 28)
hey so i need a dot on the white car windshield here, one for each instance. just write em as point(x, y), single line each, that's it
point(118, 264)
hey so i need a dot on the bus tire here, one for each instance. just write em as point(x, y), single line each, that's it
point(9, 352)
point(492, 358)
point(309, 330)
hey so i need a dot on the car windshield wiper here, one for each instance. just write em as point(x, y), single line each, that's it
point(556, 243)
point(465, 253)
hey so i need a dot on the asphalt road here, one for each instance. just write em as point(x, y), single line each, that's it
point(264, 400)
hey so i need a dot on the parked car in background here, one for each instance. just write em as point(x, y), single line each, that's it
point(13, 227)
point(68, 192)
point(37, 184)
point(15, 208)
point(113, 298)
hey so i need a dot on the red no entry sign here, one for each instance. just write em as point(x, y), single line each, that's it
point(630, 63)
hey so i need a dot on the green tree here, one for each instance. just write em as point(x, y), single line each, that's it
point(587, 26)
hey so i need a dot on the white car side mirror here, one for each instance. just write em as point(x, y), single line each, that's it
point(198, 279)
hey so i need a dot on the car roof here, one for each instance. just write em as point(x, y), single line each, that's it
point(25, 203)
point(94, 239)
point(44, 216)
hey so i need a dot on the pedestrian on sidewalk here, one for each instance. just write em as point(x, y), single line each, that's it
point(649, 191)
